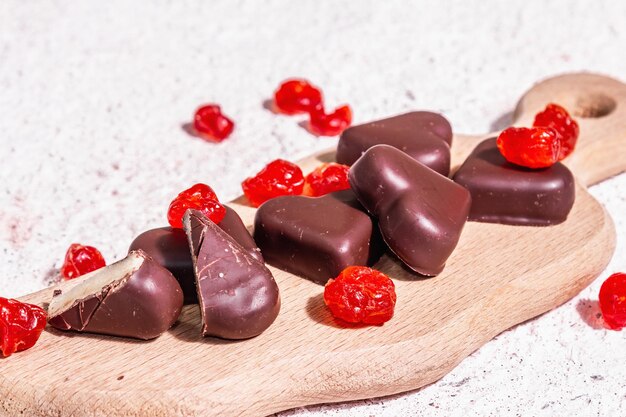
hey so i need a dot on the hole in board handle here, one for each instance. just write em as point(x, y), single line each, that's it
point(594, 106)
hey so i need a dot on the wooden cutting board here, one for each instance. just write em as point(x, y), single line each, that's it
point(497, 277)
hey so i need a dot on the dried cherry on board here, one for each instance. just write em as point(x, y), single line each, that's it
point(326, 178)
point(361, 295)
point(21, 325)
point(198, 197)
point(276, 179)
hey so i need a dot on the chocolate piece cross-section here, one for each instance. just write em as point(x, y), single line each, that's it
point(238, 295)
point(316, 237)
point(510, 194)
point(423, 135)
point(420, 213)
point(135, 297)
point(169, 247)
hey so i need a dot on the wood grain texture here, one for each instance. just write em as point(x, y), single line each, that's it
point(498, 276)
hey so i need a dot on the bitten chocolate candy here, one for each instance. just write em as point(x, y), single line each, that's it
point(135, 297)
point(424, 136)
point(510, 194)
point(421, 213)
point(238, 295)
point(316, 237)
point(170, 248)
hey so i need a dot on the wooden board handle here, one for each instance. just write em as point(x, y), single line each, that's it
point(599, 105)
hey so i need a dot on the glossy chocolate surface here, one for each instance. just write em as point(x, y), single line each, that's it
point(421, 213)
point(233, 225)
point(142, 304)
point(316, 237)
point(425, 136)
point(509, 194)
point(238, 295)
point(170, 248)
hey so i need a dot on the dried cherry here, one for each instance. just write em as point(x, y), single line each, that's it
point(535, 147)
point(558, 118)
point(81, 259)
point(199, 197)
point(211, 123)
point(297, 96)
point(330, 124)
point(276, 179)
point(361, 295)
point(613, 301)
point(326, 178)
point(21, 325)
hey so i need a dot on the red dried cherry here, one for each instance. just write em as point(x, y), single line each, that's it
point(330, 124)
point(325, 179)
point(211, 123)
point(558, 118)
point(21, 325)
point(297, 96)
point(81, 259)
point(278, 178)
point(361, 295)
point(199, 197)
point(613, 301)
point(536, 147)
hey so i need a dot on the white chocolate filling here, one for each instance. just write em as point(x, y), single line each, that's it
point(94, 283)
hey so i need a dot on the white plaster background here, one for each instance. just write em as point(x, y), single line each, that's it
point(93, 96)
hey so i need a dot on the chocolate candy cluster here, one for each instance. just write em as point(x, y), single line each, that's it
point(218, 267)
point(395, 197)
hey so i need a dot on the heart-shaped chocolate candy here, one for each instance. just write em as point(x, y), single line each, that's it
point(420, 213)
point(424, 136)
point(510, 194)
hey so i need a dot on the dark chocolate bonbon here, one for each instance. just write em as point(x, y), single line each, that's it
point(420, 213)
point(316, 237)
point(509, 194)
point(135, 297)
point(233, 225)
point(169, 247)
point(423, 135)
point(238, 295)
